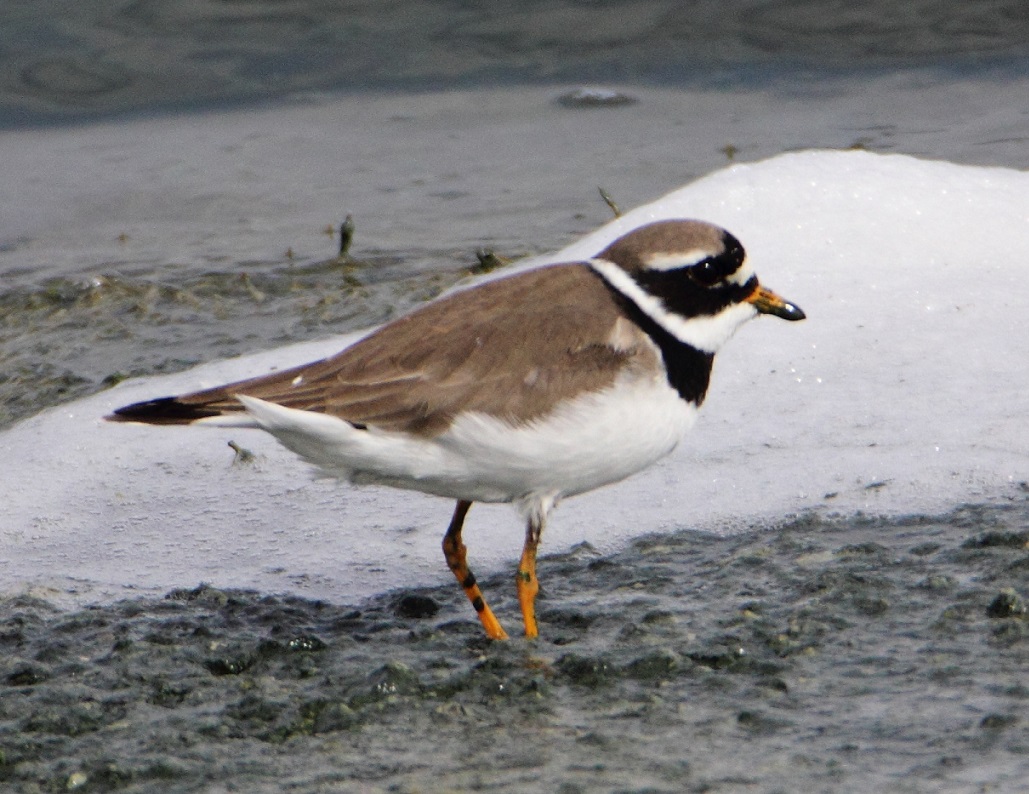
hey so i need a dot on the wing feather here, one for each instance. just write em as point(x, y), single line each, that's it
point(552, 339)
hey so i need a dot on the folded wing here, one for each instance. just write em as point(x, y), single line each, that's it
point(461, 353)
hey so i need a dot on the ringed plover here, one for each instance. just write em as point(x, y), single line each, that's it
point(526, 389)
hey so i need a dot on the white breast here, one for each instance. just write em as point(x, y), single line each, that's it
point(593, 440)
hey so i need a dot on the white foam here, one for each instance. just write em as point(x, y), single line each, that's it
point(905, 390)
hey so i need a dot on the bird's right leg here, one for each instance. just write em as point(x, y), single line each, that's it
point(456, 553)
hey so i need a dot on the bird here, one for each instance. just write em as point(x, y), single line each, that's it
point(527, 389)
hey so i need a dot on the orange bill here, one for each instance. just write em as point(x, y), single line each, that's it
point(767, 302)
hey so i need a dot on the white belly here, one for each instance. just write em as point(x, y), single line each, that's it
point(589, 442)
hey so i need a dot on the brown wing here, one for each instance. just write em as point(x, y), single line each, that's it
point(554, 337)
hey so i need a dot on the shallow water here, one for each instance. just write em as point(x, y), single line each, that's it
point(841, 655)
point(86, 60)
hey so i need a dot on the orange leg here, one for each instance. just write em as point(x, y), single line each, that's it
point(456, 553)
point(526, 581)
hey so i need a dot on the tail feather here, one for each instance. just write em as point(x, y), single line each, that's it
point(165, 411)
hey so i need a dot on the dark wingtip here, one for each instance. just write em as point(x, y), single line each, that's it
point(163, 411)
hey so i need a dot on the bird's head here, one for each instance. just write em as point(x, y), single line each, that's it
point(692, 278)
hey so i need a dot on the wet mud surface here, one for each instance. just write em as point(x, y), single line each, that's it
point(823, 655)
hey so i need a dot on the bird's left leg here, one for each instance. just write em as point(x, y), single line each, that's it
point(528, 585)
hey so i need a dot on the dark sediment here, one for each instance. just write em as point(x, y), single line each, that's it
point(823, 655)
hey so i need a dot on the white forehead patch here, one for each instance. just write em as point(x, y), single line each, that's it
point(669, 261)
point(743, 274)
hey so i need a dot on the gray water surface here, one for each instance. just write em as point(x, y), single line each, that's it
point(69, 60)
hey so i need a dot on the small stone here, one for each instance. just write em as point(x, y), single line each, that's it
point(584, 671)
point(654, 666)
point(939, 581)
point(998, 540)
point(392, 679)
point(417, 607)
point(228, 665)
point(27, 675)
point(305, 643)
point(595, 98)
point(998, 722)
point(1007, 604)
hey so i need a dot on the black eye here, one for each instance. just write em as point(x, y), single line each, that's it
point(706, 273)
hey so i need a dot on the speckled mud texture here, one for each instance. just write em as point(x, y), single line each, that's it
point(823, 655)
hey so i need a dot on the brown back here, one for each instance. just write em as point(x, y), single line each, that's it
point(511, 348)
